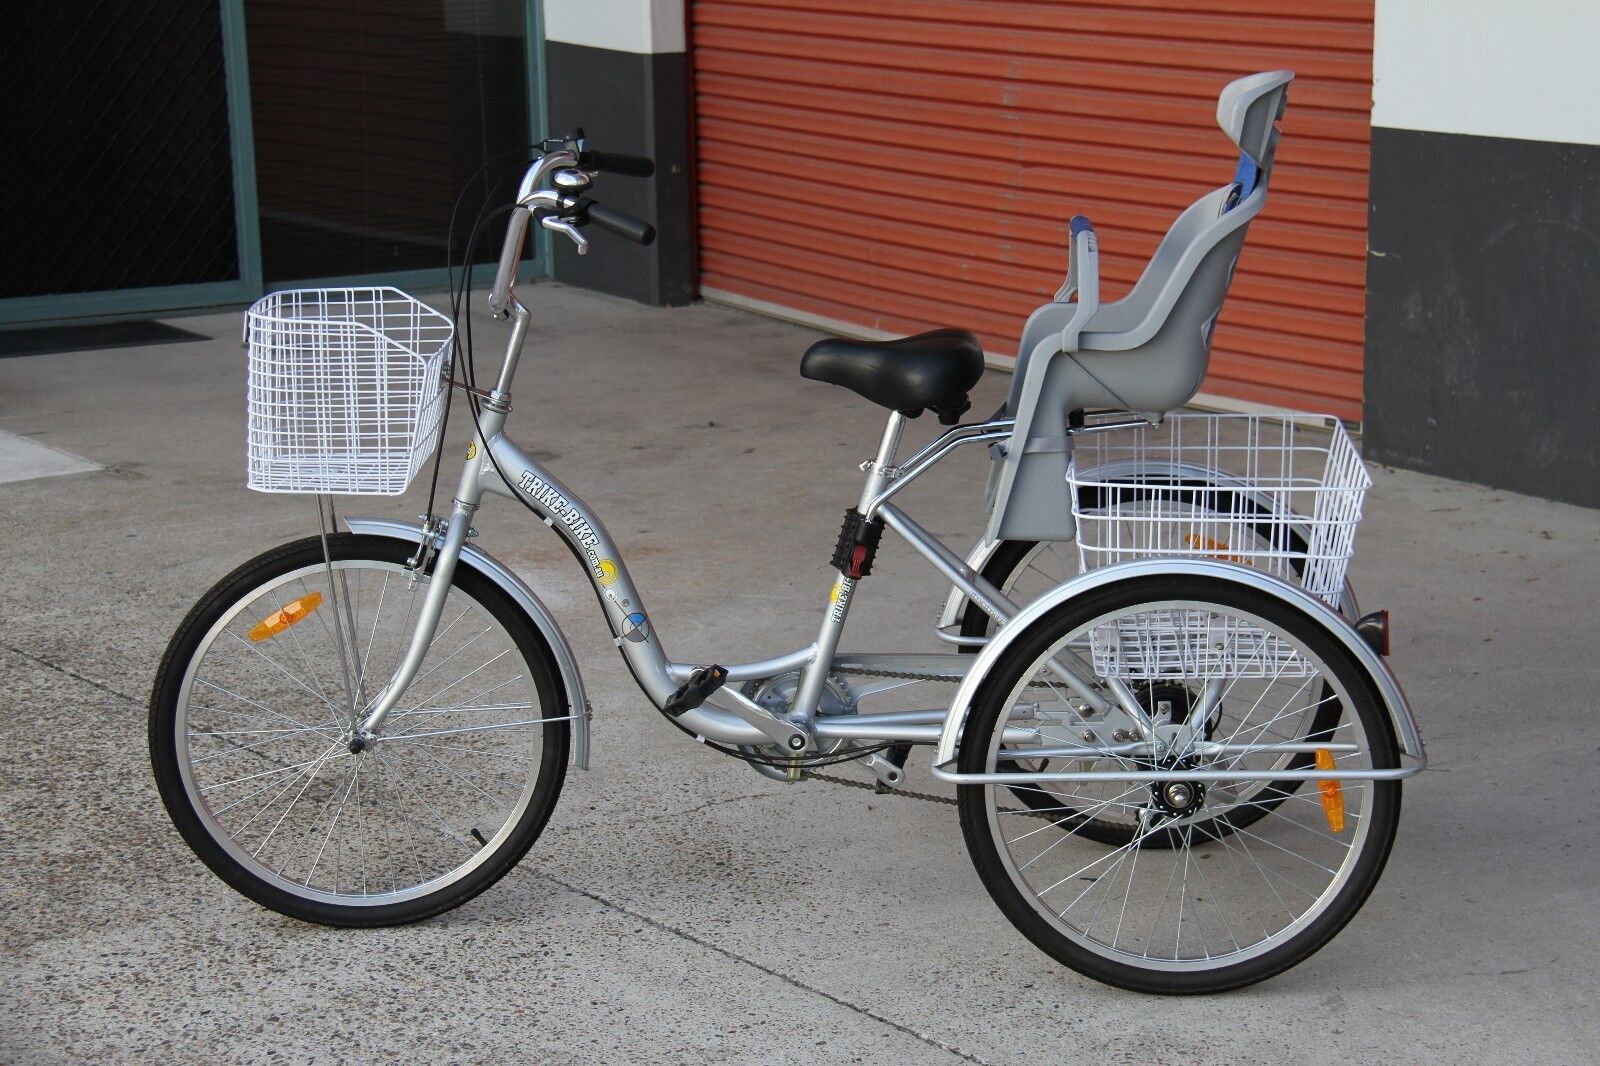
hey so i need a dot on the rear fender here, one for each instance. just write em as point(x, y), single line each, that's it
point(1384, 681)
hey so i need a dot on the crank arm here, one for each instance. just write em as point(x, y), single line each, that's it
point(784, 733)
point(888, 774)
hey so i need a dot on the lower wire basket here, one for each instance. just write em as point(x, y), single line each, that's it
point(1263, 491)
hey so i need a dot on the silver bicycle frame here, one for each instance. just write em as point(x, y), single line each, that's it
point(496, 464)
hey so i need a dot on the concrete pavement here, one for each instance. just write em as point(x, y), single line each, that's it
point(681, 908)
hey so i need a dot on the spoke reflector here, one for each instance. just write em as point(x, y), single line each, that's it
point(292, 612)
point(1332, 793)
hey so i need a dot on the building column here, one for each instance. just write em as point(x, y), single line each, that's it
point(1483, 314)
point(617, 68)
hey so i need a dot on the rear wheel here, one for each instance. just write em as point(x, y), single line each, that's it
point(1214, 888)
point(251, 719)
point(1025, 570)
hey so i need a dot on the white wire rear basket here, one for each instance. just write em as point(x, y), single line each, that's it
point(1263, 491)
point(345, 390)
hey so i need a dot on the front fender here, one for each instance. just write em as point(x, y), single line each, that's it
point(1393, 697)
point(524, 597)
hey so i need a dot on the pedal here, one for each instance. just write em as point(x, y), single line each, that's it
point(695, 691)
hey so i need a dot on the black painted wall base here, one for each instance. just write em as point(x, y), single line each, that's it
point(1483, 311)
point(628, 102)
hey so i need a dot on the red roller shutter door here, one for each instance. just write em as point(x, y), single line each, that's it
point(907, 164)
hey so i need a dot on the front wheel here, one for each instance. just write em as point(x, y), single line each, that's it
point(251, 719)
point(1215, 887)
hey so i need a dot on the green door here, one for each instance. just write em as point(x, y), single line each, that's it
point(127, 180)
point(195, 152)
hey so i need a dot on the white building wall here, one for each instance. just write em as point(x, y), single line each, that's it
point(1526, 69)
point(647, 27)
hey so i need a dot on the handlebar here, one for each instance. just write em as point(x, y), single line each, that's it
point(622, 224)
point(561, 210)
point(529, 193)
point(632, 166)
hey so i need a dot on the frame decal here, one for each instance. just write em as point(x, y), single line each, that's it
point(559, 507)
point(839, 597)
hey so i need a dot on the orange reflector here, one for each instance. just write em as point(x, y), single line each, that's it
point(1332, 793)
point(1216, 547)
point(292, 612)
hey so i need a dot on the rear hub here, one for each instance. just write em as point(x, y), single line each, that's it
point(1178, 799)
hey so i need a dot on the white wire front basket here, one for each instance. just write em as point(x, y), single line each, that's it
point(345, 392)
point(1263, 491)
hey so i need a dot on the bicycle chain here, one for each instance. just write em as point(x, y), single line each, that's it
point(873, 788)
point(926, 797)
point(903, 675)
point(911, 675)
point(906, 675)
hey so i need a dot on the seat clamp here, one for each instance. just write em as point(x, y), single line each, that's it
point(889, 472)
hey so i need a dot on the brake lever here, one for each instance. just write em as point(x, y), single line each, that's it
point(568, 230)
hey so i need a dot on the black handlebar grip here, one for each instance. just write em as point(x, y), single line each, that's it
point(623, 225)
point(633, 166)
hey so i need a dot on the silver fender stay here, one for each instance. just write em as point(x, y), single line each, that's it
point(1393, 697)
point(524, 597)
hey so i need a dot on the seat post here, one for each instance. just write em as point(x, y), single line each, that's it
point(808, 695)
point(877, 473)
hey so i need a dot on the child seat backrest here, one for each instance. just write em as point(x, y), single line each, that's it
point(1147, 352)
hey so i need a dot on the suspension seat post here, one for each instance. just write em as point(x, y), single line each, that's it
point(815, 675)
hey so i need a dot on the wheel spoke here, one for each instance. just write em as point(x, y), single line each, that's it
point(316, 768)
point(253, 703)
point(250, 647)
point(481, 666)
point(251, 748)
point(377, 617)
point(473, 729)
point(332, 824)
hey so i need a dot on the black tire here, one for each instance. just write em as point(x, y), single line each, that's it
point(537, 657)
point(1011, 555)
point(990, 704)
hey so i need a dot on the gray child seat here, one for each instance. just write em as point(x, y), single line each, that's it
point(1145, 353)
